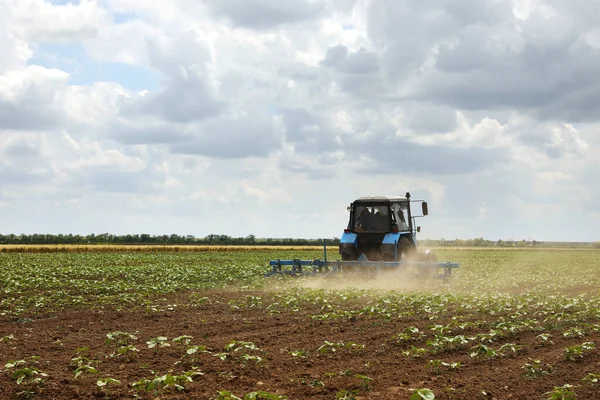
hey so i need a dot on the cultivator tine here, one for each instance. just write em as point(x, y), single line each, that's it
point(301, 267)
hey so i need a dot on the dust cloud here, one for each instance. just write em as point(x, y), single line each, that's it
point(400, 280)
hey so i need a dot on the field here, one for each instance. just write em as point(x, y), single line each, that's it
point(511, 324)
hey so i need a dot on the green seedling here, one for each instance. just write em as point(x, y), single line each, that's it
point(563, 392)
point(119, 338)
point(183, 340)
point(316, 383)
point(7, 338)
point(574, 332)
point(248, 357)
point(85, 368)
point(128, 352)
point(298, 353)
point(366, 381)
point(591, 378)
point(510, 348)
point(415, 352)
point(104, 384)
point(482, 351)
point(422, 394)
point(436, 366)
point(158, 343)
point(544, 338)
point(226, 395)
point(536, 369)
point(574, 353)
point(192, 354)
point(165, 382)
point(237, 345)
point(346, 394)
point(330, 347)
point(25, 374)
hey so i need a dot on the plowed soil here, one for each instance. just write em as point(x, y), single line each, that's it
point(377, 371)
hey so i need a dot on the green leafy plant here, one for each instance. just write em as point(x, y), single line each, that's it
point(238, 345)
point(165, 382)
point(574, 332)
point(104, 383)
point(22, 373)
point(226, 395)
point(563, 392)
point(344, 394)
point(544, 339)
point(574, 353)
point(298, 353)
point(316, 383)
point(422, 394)
point(119, 338)
point(535, 369)
point(437, 366)
point(249, 357)
point(409, 334)
point(183, 340)
point(366, 381)
point(331, 347)
point(591, 378)
point(483, 351)
point(510, 348)
point(158, 343)
point(85, 368)
point(7, 338)
point(192, 355)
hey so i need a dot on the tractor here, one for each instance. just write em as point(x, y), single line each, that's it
point(380, 236)
point(383, 229)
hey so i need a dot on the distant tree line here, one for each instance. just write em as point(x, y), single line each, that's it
point(214, 239)
point(147, 239)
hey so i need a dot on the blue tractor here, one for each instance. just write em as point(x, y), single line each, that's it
point(382, 229)
point(380, 236)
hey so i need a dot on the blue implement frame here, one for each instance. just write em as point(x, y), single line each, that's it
point(314, 267)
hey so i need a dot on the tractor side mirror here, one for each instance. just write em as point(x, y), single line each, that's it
point(418, 229)
point(424, 207)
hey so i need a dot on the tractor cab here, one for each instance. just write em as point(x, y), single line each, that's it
point(379, 228)
point(383, 216)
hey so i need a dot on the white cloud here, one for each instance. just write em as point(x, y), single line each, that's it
point(284, 112)
point(42, 21)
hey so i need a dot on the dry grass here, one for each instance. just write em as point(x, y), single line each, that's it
point(91, 248)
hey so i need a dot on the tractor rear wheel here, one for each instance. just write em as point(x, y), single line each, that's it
point(406, 248)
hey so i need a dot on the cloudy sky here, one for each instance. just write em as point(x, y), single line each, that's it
point(269, 117)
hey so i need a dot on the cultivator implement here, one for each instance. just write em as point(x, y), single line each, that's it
point(298, 267)
point(315, 267)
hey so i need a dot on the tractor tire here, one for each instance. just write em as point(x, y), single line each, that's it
point(406, 249)
point(348, 253)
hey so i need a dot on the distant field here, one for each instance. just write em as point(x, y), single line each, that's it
point(208, 325)
point(110, 248)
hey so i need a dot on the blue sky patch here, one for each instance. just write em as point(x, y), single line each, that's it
point(64, 2)
point(84, 70)
point(121, 18)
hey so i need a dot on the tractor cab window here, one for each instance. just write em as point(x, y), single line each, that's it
point(371, 218)
point(399, 217)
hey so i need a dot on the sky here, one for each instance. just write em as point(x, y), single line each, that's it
point(270, 117)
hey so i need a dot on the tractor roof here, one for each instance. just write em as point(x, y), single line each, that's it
point(380, 199)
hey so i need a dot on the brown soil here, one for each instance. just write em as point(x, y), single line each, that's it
point(55, 338)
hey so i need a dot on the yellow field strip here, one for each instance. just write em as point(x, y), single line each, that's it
point(53, 248)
